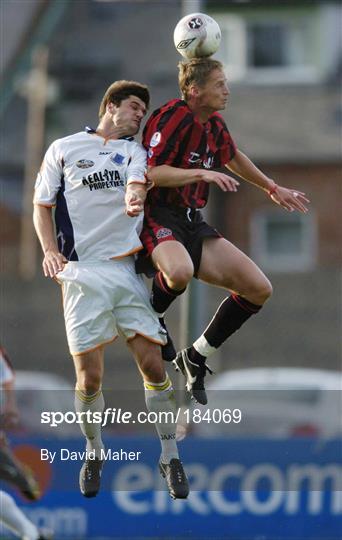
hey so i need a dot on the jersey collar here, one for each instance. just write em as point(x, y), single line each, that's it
point(92, 131)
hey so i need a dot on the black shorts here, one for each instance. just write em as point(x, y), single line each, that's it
point(184, 225)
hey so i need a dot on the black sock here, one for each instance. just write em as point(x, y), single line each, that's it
point(230, 316)
point(162, 295)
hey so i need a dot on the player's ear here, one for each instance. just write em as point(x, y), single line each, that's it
point(193, 91)
point(110, 107)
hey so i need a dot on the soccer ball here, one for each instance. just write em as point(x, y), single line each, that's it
point(197, 35)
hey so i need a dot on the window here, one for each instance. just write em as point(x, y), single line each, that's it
point(283, 241)
point(267, 44)
point(270, 47)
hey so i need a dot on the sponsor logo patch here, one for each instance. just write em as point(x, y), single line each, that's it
point(104, 153)
point(163, 233)
point(103, 180)
point(118, 159)
point(155, 139)
point(209, 162)
point(84, 163)
point(194, 157)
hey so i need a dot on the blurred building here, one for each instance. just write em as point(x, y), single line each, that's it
point(283, 61)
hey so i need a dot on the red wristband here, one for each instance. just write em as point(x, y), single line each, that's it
point(272, 190)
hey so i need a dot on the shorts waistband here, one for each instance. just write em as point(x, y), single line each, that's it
point(188, 212)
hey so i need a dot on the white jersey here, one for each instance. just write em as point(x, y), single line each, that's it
point(85, 177)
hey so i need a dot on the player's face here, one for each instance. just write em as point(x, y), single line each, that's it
point(129, 114)
point(214, 94)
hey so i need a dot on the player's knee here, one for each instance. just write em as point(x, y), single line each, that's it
point(258, 292)
point(88, 381)
point(152, 367)
point(263, 292)
point(179, 277)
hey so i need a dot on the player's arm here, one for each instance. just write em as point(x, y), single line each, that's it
point(135, 198)
point(47, 185)
point(289, 199)
point(162, 154)
point(53, 261)
point(137, 182)
point(168, 176)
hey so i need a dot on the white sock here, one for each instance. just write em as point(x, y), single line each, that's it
point(203, 348)
point(160, 397)
point(91, 430)
point(15, 520)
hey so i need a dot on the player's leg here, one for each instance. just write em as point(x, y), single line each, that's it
point(223, 265)
point(175, 270)
point(165, 233)
point(15, 520)
point(89, 321)
point(17, 473)
point(160, 399)
point(89, 397)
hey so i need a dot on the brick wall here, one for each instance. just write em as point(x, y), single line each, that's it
point(322, 183)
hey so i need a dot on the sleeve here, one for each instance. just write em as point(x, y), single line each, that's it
point(136, 169)
point(226, 147)
point(49, 177)
point(163, 135)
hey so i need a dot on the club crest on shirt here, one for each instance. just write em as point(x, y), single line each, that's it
point(118, 159)
point(163, 233)
point(84, 163)
point(155, 139)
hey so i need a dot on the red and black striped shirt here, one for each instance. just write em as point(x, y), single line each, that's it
point(174, 136)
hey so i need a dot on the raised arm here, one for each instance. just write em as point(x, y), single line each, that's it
point(167, 176)
point(290, 199)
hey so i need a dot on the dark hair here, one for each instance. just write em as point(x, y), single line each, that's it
point(120, 90)
point(196, 71)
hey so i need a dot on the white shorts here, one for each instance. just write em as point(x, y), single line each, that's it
point(104, 299)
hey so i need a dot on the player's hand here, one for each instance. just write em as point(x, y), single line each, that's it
point(134, 204)
point(53, 262)
point(223, 181)
point(290, 199)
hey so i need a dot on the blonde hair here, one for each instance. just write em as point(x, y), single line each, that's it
point(120, 90)
point(196, 71)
